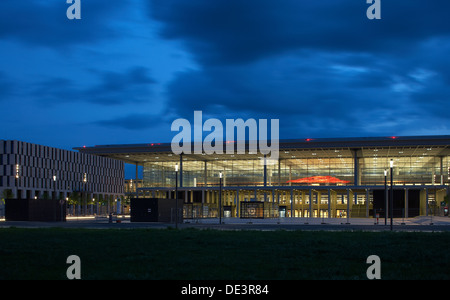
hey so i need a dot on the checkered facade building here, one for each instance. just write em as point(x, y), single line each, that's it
point(31, 171)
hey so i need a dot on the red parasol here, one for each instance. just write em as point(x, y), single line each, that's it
point(318, 179)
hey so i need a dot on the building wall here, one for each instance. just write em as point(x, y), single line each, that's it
point(28, 169)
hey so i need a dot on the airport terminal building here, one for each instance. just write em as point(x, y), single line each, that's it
point(337, 177)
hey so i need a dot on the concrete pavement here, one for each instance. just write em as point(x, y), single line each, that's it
point(327, 224)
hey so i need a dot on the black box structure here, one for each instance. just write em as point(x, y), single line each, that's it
point(259, 210)
point(41, 210)
point(155, 210)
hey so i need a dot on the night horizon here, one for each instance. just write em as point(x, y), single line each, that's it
point(127, 69)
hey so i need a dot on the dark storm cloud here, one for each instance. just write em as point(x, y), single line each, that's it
point(130, 122)
point(301, 93)
point(235, 31)
point(114, 88)
point(44, 23)
point(118, 88)
point(321, 67)
point(6, 86)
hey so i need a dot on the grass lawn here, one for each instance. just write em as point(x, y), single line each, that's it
point(214, 255)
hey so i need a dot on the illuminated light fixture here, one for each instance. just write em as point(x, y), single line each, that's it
point(17, 171)
point(393, 137)
point(318, 179)
point(314, 153)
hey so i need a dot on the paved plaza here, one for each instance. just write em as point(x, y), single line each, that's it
point(423, 223)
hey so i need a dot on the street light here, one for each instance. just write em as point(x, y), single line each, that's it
point(220, 198)
point(54, 185)
point(385, 198)
point(176, 196)
point(17, 180)
point(85, 194)
point(392, 191)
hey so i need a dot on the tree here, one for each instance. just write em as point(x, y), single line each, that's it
point(7, 194)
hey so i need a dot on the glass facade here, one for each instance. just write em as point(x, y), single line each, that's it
point(418, 166)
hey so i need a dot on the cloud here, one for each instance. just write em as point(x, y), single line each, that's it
point(132, 86)
point(234, 31)
point(310, 94)
point(121, 88)
point(6, 86)
point(134, 121)
point(44, 23)
point(321, 67)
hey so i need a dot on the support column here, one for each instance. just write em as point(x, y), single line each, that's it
point(265, 171)
point(367, 202)
point(406, 202)
point(181, 171)
point(279, 172)
point(329, 203)
point(310, 202)
point(205, 175)
point(238, 203)
point(348, 203)
point(290, 175)
point(319, 200)
point(356, 166)
point(292, 203)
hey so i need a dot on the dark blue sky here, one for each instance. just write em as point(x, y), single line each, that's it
point(129, 68)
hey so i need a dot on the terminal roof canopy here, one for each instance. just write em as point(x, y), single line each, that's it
point(366, 148)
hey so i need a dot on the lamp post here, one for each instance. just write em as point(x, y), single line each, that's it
point(54, 196)
point(17, 180)
point(176, 196)
point(220, 198)
point(84, 188)
point(385, 198)
point(54, 186)
point(392, 192)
